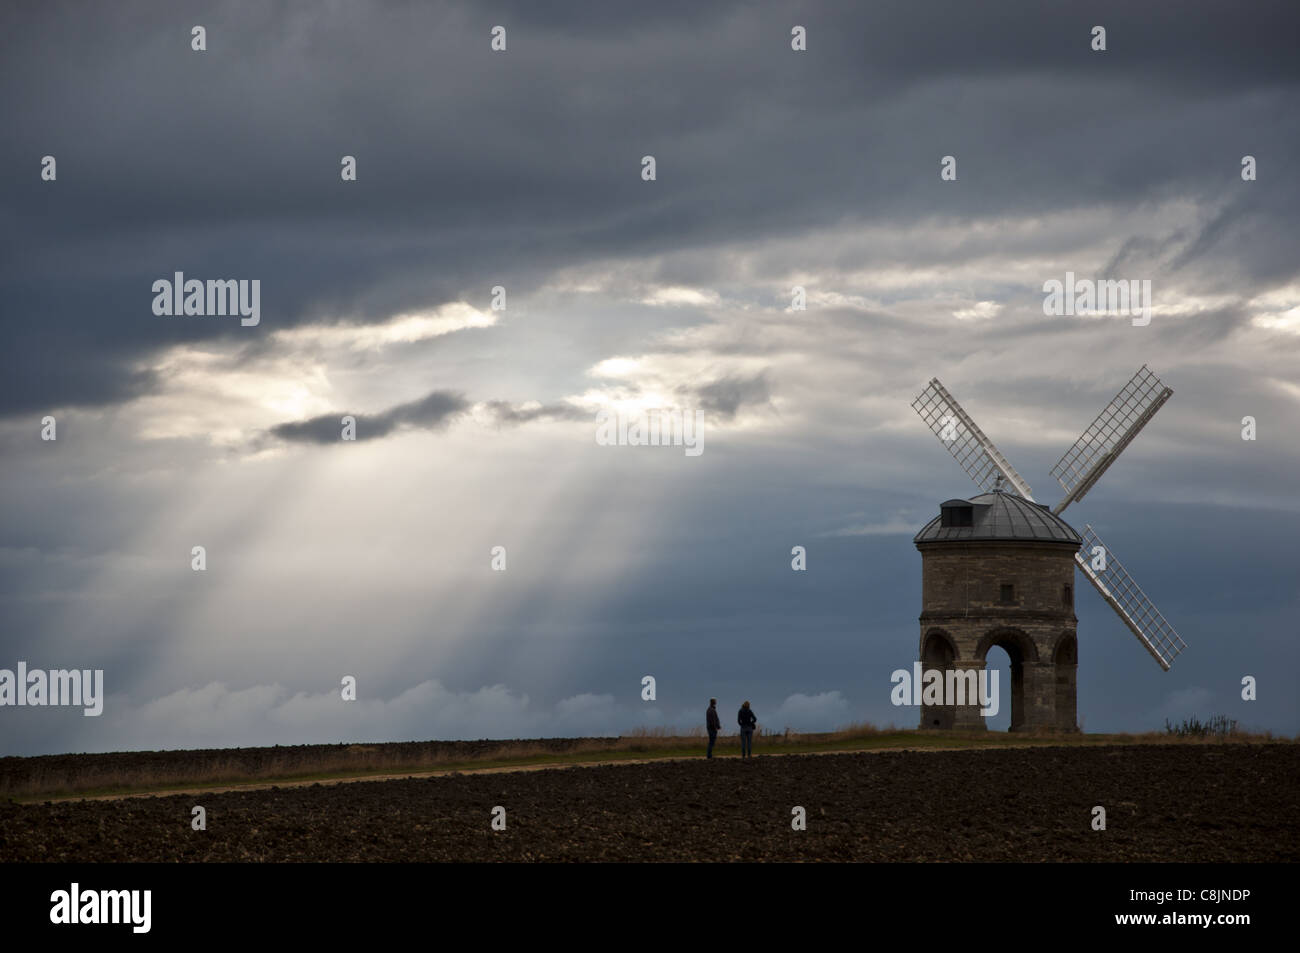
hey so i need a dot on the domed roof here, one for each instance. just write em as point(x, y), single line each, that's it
point(996, 516)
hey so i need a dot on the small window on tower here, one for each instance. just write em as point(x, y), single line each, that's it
point(957, 516)
point(1067, 595)
point(1008, 592)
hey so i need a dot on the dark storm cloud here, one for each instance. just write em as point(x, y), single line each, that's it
point(725, 397)
point(477, 168)
point(430, 412)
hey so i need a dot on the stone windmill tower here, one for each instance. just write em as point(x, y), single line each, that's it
point(998, 568)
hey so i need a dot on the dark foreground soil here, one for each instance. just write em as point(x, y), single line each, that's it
point(1217, 803)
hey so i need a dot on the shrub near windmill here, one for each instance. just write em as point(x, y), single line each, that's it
point(998, 568)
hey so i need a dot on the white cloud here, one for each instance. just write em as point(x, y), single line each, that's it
point(400, 329)
point(807, 713)
point(1288, 320)
point(980, 310)
point(674, 296)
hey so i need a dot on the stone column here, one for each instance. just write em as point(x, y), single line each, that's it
point(1067, 704)
point(1040, 696)
point(968, 716)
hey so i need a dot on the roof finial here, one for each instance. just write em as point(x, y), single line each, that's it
point(997, 483)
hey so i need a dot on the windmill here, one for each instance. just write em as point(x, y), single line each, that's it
point(1077, 472)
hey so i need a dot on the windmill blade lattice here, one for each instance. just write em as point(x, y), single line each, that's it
point(1129, 601)
point(1108, 435)
point(965, 441)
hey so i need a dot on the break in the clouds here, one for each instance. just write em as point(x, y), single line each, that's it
point(475, 410)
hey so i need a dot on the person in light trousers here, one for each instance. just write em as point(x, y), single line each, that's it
point(748, 720)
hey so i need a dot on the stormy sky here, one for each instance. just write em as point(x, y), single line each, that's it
point(522, 170)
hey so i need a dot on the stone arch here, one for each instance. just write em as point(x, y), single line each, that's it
point(1066, 650)
point(1022, 651)
point(938, 651)
point(1008, 637)
point(938, 646)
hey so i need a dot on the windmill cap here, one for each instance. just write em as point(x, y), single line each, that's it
point(999, 516)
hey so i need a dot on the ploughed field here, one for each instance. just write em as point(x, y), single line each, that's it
point(1185, 802)
point(184, 768)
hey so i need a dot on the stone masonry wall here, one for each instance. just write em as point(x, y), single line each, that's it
point(961, 591)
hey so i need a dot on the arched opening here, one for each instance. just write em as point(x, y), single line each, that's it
point(1018, 648)
point(998, 660)
point(937, 652)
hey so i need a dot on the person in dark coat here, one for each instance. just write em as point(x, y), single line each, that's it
point(713, 723)
point(747, 720)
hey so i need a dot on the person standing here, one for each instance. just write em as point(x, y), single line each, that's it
point(713, 723)
point(747, 720)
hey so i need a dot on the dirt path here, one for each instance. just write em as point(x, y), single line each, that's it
point(501, 769)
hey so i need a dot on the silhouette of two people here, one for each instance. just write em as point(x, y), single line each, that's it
point(745, 717)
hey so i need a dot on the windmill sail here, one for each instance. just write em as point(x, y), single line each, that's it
point(965, 441)
point(1112, 431)
point(1128, 600)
